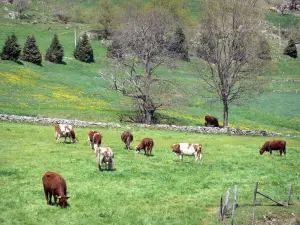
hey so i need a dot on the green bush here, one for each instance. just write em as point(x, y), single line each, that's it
point(55, 52)
point(263, 51)
point(177, 45)
point(115, 51)
point(11, 49)
point(83, 51)
point(291, 49)
point(31, 52)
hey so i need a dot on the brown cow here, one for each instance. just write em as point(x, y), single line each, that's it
point(65, 130)
point(274, 145)
point(146, 144)
point(211, 121)
point(188, 149)
point(55, 185)
point(95, 139)
point(127, 138)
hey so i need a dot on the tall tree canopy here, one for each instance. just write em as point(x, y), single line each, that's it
point(227, 43)
point(144, 39)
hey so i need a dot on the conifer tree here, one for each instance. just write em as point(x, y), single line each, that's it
point(11, 49)
point(263, 51)
point(115, 50)
point(291, 49)
point(31, 52)
point(55, 52)
point(83, 51)
point(178, 45)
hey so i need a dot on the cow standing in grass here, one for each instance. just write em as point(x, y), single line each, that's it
point(274, 145)
point(95, 139)
point(54, 185)
point(127, 138)
point(146, 144)
point(188, 149)
point(65, 130)
point(105, 156)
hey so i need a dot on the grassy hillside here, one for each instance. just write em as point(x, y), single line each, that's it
point(74, 90)
point(142, 190)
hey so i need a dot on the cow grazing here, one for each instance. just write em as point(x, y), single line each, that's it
point(105, 156)
point(127, 138)
point(65, 130)
point(146, 144)
point(274, 145)
point(211, 121)
point(95, 139)
point(188, 149)
point(55, 185)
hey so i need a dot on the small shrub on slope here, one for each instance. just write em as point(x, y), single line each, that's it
point(11, 49)
point(83, 51)
point(291, 49)
point(31, 52)
point(55, 52)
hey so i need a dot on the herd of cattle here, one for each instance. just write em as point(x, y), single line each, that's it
point(55, 185)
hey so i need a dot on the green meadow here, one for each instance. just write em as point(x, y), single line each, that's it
point(142, 190)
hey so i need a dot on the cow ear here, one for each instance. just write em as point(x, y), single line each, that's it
point(59, 197)
point(68, 196)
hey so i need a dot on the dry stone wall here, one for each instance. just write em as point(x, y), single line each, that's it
point(193, 129)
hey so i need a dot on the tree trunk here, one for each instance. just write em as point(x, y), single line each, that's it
point(225, 113)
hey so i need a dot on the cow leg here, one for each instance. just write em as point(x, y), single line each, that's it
point(181, 157)
point(100, 162)
point(55, 198)
point(50, 198)
point(46, 196)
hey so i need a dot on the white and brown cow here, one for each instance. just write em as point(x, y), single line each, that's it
point(65, 130)
point(95, 139)
point(105, 156)
point(188, 149)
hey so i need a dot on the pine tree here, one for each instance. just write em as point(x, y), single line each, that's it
point(31, 52)
point(291, 49)
point(263, 52)
point(11, 49)
point(178, 45)
point(115, 51)
point(55, 52)
point(83, 51)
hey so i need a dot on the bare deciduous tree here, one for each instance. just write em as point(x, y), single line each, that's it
point(21, 6)
point(227, 44)
point(144, 41)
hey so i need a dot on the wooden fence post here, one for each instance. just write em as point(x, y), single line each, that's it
point(226, 204)
point(253, 217)
point(234, 204)
point(255, 191)
point(290, 193)
point(220, 209)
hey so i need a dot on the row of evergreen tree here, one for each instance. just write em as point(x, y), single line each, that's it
point(55, 53)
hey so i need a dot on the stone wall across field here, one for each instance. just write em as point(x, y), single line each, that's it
point(193, 129)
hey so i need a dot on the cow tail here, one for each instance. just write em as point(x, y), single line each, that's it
point(284, 148)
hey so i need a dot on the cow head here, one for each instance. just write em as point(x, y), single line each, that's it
point(176, 149)
point(197, 147)
point(261, 151)
point(137, 149)
point(63, 201)
point(72, 134)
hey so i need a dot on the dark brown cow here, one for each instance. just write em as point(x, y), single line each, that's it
point(146, 144)
point(95, 138)
point(274, 145)
point(127, 138)
point(65, 130)
point(55, 185)
point(211, 121)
